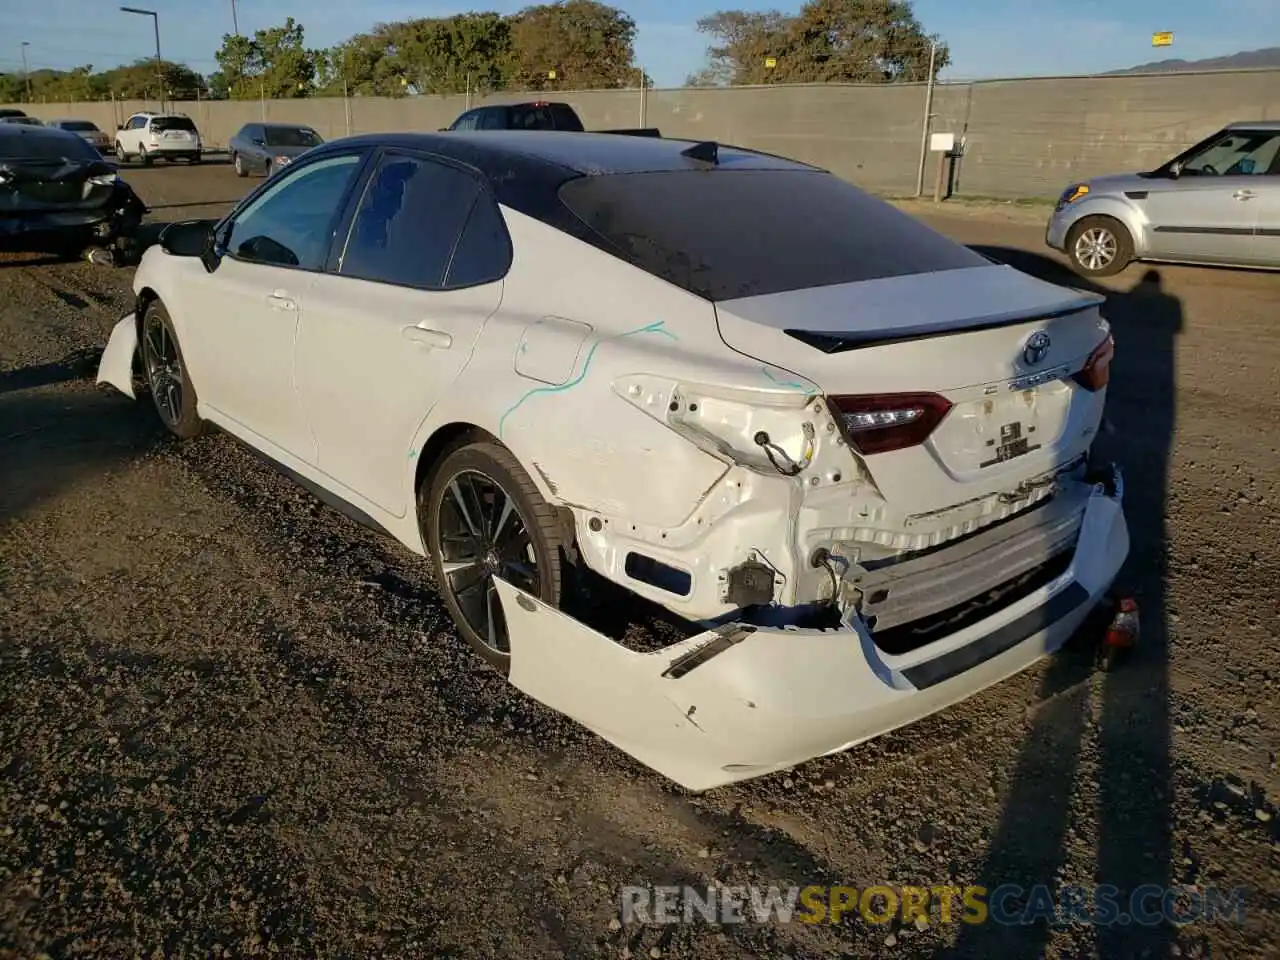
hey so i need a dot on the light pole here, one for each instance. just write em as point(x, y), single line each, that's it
point(26, 74)
point(235, 23)
point(155, 19)
point(928, 115)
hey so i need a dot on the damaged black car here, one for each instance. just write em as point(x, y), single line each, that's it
point(59, 195)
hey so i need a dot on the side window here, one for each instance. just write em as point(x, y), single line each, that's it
point(467, 121)
point(408, 223)
point(290, 224)
point(137, 123)
point(483, 254)
point(1238, 154)
point(492, 118)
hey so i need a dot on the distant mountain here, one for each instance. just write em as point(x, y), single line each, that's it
point(1267, 57)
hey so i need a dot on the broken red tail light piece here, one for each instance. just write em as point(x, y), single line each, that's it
point(1124, 628)
point(878, 423)
point(1096, 372)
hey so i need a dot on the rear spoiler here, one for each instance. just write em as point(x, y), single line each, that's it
point(635, 132)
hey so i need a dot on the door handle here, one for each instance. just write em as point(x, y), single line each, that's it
point(434, 339)
point(282, 301)
point(1243, 195)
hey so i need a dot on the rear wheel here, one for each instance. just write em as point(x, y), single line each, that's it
point(166, 372)
point(266, 169)
point(483, 517)
point(1099, 246)
point(144, 156)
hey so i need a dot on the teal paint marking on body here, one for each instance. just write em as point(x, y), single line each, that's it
point(791, 384)
point(656, 327)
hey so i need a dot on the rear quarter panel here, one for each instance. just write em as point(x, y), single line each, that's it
point(583, 444)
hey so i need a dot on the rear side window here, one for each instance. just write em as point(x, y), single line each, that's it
point(565, 118)
point(80, 126)
point(409, 222)
point(493, 118)
point(483, 254)
point(724, 234)
point(532, 118)
point(160, 124)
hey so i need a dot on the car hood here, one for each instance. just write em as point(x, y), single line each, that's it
point(290, 152)
point(1117, 183)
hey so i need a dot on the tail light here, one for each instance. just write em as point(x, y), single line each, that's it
point(882, 422)
point(1096, 372)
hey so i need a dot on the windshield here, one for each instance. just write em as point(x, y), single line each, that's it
point(292, 137)
point(22, 121)
point(723, 234)
point(45, 146)
point(79, 126)
point(160, 124)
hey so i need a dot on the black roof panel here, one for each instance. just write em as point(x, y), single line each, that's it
point(580, 153)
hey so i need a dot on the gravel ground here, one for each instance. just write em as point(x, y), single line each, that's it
point(233, 723)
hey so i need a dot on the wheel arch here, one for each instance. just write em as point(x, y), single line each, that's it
point(450, 436)
point(146, 297)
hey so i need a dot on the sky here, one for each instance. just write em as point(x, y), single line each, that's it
point(988, 38)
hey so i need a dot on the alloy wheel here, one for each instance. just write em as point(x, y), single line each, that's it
point(164, 369)
point(1096, 248)
point(482, 536)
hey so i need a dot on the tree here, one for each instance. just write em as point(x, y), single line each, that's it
point(828, 41)
point(274, 64)
point(588, 45)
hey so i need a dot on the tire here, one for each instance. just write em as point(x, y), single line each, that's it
point(1099, 247)
point(528, 549)
point(194, 160)
point(120, 154)
point(266, 170)
point(144, 156)
point(166, 373)
point(239, 165)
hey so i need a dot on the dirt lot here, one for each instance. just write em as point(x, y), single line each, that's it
point(233, 723)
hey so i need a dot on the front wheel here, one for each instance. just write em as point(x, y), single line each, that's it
point(120, 154)
point(167, 377)
point(1099, 246)
point(238, 163)
point(482, 517)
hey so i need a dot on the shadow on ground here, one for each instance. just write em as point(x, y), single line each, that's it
point(1130, 744)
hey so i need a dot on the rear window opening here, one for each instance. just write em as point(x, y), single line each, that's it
point(79, 126)
point(724, 233)
point(160, 124)
point(545, 116)
point(44, 145)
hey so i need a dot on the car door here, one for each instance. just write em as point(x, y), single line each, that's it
point(1266, 189)
point(130, 137)
point(271, 251)
point(393, 322)
point(1207, 213)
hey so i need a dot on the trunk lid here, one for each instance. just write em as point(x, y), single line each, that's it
point(974, 335)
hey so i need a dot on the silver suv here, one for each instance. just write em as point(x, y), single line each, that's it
point(1217, 203)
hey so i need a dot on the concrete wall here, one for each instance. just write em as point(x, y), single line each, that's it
point(1024, 137)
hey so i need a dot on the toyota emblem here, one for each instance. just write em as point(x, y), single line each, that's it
point(1037, 348)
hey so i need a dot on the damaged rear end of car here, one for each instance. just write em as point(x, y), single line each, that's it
point(57, 193)
point(910, 509)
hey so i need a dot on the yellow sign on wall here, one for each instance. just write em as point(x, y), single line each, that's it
point(770, 62)
point(551, 74)
point(1162, 39)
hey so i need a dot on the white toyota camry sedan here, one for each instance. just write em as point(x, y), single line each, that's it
point(852, 453)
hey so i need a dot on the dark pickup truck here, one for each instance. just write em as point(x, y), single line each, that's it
point(536, 115)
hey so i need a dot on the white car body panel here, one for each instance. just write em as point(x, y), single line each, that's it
point(635, 407)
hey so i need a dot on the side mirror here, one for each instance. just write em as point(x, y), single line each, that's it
point(188, 238)
point(119, 126)
point(1175, 171)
